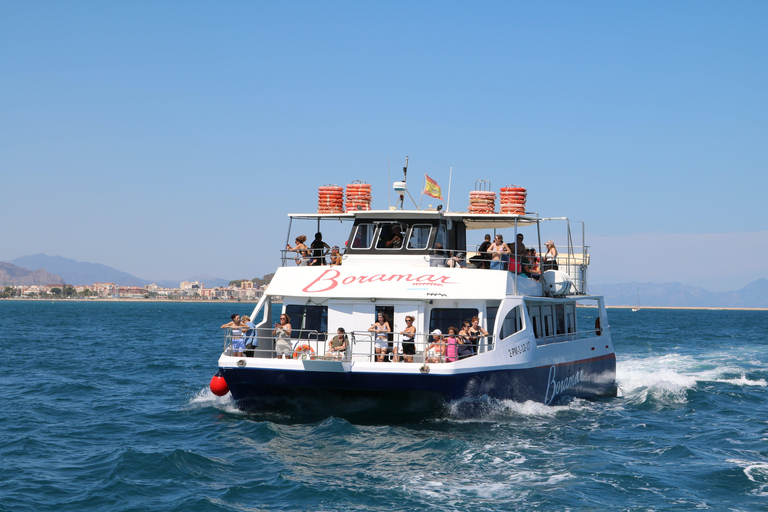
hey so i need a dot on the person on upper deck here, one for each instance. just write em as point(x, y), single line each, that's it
point(301, 250)
point(282, 334)
point(480, 260)
point(550, 259)
point(335, 256)
point(499, 252)
point(516, 254)
point(381, 328)
point(319, 249)
point(338, 345)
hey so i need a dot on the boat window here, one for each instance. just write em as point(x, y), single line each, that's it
point(363, 237)
point(535, 313)
point(490, 313)
point(513, 323)
point(549, 323)
point(391, 235)
point(419, 236)
point(442, 319)
point(570, 318)
point(308, 322)
point(559, 319)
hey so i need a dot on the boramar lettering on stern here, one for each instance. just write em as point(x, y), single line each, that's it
point(556, 387)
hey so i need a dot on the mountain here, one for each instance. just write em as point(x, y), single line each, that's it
point(78, 272)
point(14, 275)
point(82, 273)
point(753, 295)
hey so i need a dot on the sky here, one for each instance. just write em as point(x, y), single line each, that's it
point(171, 139)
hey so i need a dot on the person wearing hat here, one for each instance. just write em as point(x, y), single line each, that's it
point(550, 259)
point(436, 350)
point(335, 257)
point(338, 345)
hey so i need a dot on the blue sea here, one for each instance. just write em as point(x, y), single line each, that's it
point(106, 407)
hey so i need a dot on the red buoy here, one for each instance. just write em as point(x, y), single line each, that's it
point(219, 385)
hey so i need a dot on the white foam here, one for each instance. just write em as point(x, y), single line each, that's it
point(744, 381)
point(756, 472)
point(206, 398)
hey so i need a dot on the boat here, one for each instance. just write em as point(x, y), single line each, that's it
point(636, 307)
point(547, 339)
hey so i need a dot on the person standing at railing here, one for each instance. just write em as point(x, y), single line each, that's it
point(282, 334)
point(319, 250)
point(450, 345)
point(550, 259)
point(499, 253)
point(250, 339)
point(381, 328)
point(476, 331)
point(408, 343)
point(301, 250)
point(436, 350)
point(464, 347)
point(236, 327)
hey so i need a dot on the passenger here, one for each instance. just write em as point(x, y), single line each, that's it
point(301, 250)
point(516, 254)
point(456, 260)
point(381, 328)
point(408, 343)
point(319, 250)
point(237, 327)
point(437, 256)
point(282, 334)
point(395, 241)
point(250, 339)
point(338, 345)
point(499, 253)
point(550, 259)
point(436, 350)
point(476, 332)
point(464, 347)
point(335, 256)
point(450, 345)
point(480, 260)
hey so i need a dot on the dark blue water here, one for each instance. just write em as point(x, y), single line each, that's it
point(105, 407)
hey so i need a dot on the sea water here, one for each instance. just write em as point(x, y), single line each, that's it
point(106, 407)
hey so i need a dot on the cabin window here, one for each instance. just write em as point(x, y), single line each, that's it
point(391, 235)
point(559, 319)
point(308, 322)
point(535, 313)
point(549, 321)
point(513, 323)
point(450, 317)
point(419, 236)
point(570, 318)
point(363, 237)
point(490, 313)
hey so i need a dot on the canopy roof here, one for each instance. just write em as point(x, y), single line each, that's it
point(471, 220)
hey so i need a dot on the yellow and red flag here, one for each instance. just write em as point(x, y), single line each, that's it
point(432, 189)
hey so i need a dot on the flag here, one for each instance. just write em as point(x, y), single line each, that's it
point(432, 189)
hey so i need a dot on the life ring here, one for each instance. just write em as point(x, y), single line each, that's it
point(302, 349)
point(598, 328)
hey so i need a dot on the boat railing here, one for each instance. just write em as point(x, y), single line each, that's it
point(361, 346)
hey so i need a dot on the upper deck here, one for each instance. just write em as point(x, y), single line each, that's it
point(394, 246)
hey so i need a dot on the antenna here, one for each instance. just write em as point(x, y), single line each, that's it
point(405, 175)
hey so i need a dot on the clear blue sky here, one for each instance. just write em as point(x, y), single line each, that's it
point(169, 139)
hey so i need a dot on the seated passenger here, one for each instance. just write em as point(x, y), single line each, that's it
point(550, 259)
point(436, 350)
point(456, 260)
point(338, 345)
point(437, 256)
point(480, 260)
point(335, 256)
